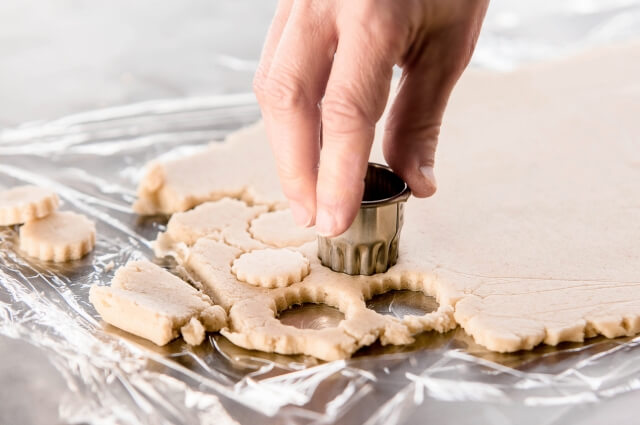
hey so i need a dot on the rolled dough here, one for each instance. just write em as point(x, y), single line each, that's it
point(227, 220)
point(534, 236)
point(150, 302)
point(181, 184)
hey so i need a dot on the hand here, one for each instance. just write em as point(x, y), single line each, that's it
point(323, 83)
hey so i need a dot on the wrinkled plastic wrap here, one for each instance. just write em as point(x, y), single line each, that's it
point(94, 161)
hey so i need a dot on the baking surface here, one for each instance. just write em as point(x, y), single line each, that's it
point(94, 160)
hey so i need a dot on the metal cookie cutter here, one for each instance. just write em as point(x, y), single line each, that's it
point(370, 245)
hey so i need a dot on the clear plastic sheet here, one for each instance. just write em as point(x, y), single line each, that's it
point(516, 32)
point(94, 160)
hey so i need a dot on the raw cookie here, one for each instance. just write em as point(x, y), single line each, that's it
point(226, 219)
point(271, 268)
point(533, 236)
point(244, 169)
point(278, 229)
point(60, 236)
point(25, 203)
point(150, 302)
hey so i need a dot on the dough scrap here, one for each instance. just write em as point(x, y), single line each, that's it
point(226, 219)
point(193, 332)
point(278, 229)
point(532, 238)
point(271, 268)
point(253, 311)
point(148, 301)
point(60, 236)
point(25, 203)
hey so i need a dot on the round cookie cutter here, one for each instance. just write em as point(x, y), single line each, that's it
point(370, 244)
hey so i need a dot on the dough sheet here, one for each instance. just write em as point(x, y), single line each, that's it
point(533, 237)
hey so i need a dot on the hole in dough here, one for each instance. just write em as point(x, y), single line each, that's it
point(311, 316)
point(400, 303)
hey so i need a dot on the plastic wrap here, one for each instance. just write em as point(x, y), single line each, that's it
point(94, 160)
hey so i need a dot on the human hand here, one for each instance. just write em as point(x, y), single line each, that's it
point(323, 83)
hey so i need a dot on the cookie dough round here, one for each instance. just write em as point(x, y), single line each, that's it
point(25, 203)
point(271, 268)
point(278, 229)
point(60, 236)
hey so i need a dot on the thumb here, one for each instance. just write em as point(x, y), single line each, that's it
point(412, 130)
point(413, 125)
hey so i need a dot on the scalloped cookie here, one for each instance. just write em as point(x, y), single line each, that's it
point(278, 229)
point(25, 203)
point(271, 268)
point(60, 236)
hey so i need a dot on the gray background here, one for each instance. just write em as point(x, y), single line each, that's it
point(59, 57)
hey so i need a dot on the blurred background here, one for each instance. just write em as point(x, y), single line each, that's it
point(60, 57)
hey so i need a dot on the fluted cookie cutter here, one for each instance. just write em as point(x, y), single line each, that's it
point(370, 245)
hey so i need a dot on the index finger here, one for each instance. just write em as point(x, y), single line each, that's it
point(354, 100)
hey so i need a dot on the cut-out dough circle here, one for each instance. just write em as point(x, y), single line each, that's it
point(278, 229)
point(271, 268)
point(60, 236)
point(25, 203)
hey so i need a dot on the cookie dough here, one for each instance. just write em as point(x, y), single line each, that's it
point(193, 332)
point(278, 229)
point(212, 174)
point(25, 203)
point(150, 302)
point(271, 268)
point(60, 236)
point(226, 219)
point(533, 237)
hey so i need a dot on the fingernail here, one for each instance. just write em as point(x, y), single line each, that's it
point(427, 172)
point(300, 214)
point(325, 223)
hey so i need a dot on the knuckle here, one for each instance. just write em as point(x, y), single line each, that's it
point(283, 93)
point(341, 114)
point(387, 26)
point(258, 85)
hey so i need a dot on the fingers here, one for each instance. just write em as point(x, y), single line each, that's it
point(289, 97)
point(354, 101)
point(413, 125)
point(271, 42)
